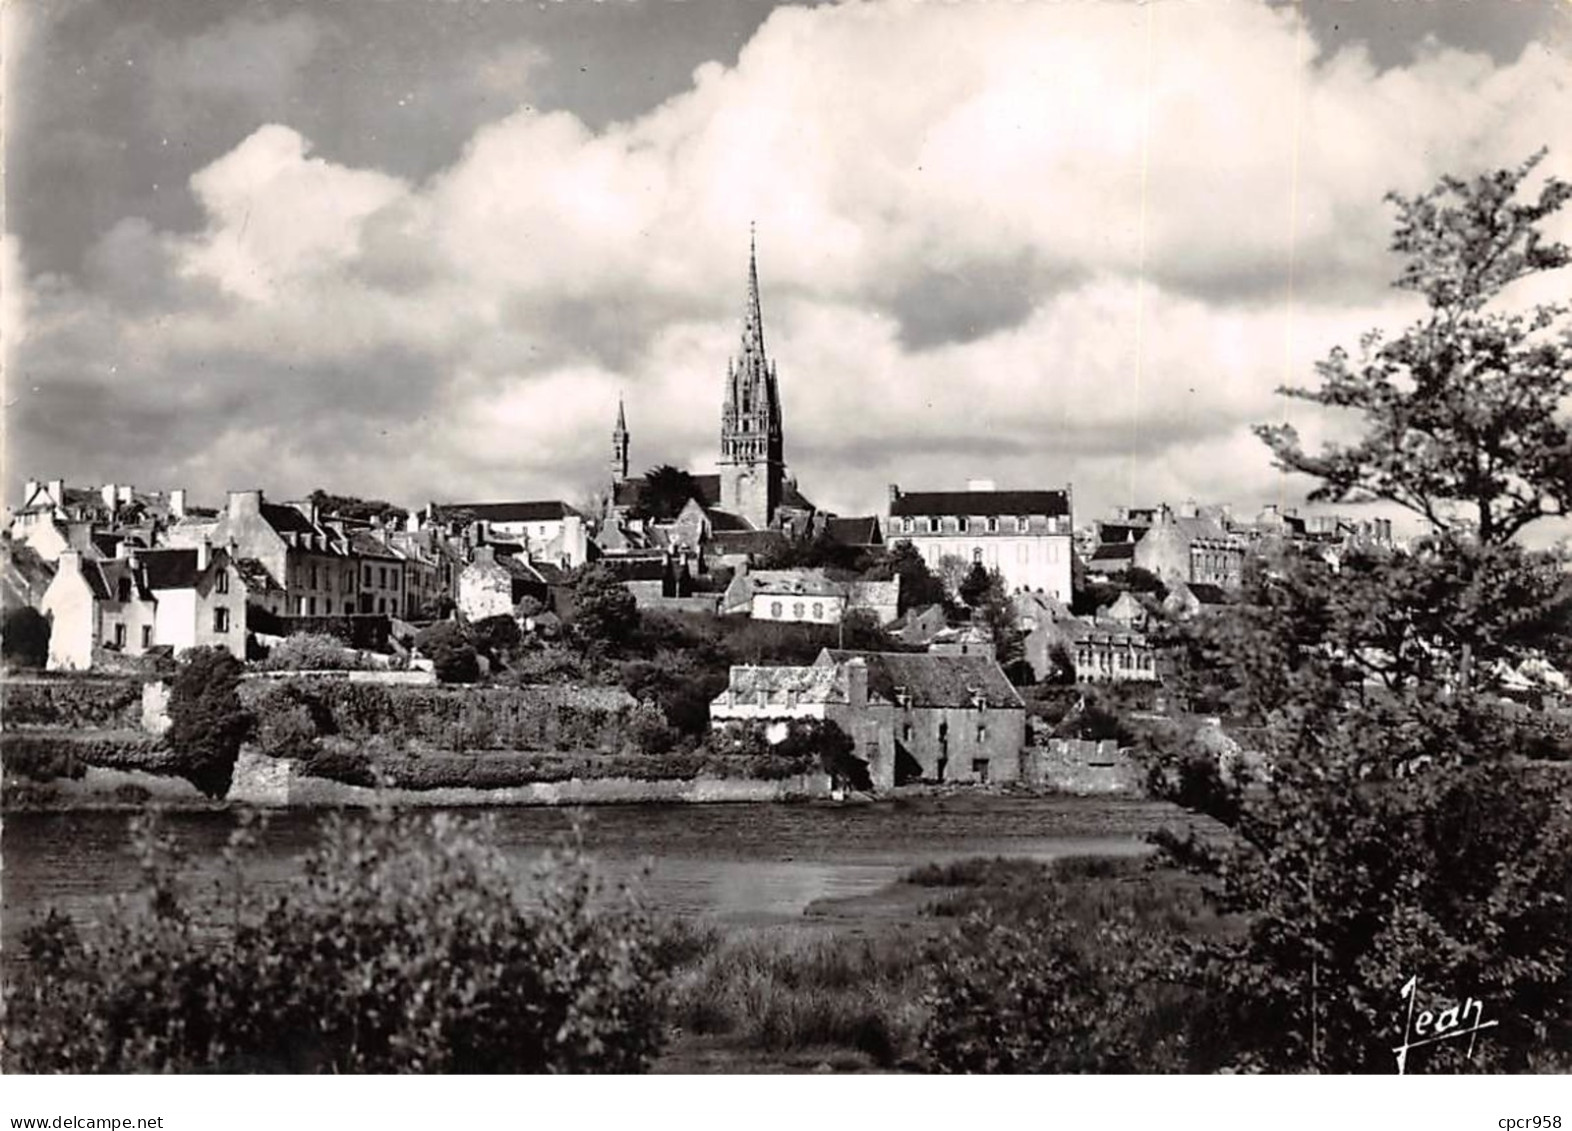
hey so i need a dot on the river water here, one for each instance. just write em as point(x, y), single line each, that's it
point(734, 864)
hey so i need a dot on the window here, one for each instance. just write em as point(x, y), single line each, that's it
point(933, 526)
point(1022, 524)
point(368, 576)
point(311, 606)
point(982, 732)
point(961, 523)
point(147, 636)
point(977, 555)
point(818, 610)
point(120, 636)
point(221, 619)
point(993, 524)
point(980, 769)
point(349, 608)
point(906, 732)
point(906, 525)
point(123, 590)
point(313, 577)
point(796, 609)
point(775, 610)
point(382, 577)
point(221, 582)
point(300, 606)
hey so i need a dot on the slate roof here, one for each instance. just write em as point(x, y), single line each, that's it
point(168, 569)
point(746, 541)
point(930, 680)
point(726, 522)
point(287, 520)
point(815, 684)
point(255, 576)
point(917, 503)
point(1208, 594)
point(543, 510)
point(368, 545)
point(636, 569)
point(1113, 552)
point(862, 531)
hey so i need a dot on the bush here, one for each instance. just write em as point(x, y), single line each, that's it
point(450, 652)
point(402, 945)
point(206, 721)
point(24, 637)
point(496, 637)
point(313, 651)
point(73, 702)
point(44, 756)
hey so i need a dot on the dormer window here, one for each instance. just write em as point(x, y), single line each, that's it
point(933, 526)
point(993, 524)
point(1022, 524)
point(906, 525)
point(903, 697)
point(960, 523)
point(124, 590)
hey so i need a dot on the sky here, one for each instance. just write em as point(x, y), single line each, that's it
point(418, 250)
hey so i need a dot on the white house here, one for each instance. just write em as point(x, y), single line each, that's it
point(1027, 536)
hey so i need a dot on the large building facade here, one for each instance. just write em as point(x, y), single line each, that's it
point(1026, 535)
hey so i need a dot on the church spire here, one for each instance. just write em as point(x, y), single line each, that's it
point(619, 445)
point(752, 314)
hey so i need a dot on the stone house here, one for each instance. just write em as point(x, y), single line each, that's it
point(910, 716)
point(1190, 547)
point(313, 563)
point(949, 718)
point(383, 588)
point(1028, 536)
point(545, 529)
point(920, 626)
point(809, 596)
point(148, 598)
point(493, 584)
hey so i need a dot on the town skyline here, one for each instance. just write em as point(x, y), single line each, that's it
point(1084, 255)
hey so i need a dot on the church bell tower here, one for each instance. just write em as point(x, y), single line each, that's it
point(752, 456)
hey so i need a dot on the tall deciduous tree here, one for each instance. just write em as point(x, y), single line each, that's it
point(1404, 829)
point(1464, 407)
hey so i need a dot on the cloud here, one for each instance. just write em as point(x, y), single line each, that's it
point(1038, 243)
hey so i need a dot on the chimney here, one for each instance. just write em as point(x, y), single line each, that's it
point(244, 504)
point(857, 682)
point(177, 502)
point(123, 549)
point(56, 489)
point(1188, 509)
point(110, 494)
point(126, 494)
point(29, 491)
point(204, 554)
point(980, 485)
point(895, 493)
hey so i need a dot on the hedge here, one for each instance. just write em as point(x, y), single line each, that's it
point(559, 718)
point(45, 756)
point(338, 761)
point(72, 702)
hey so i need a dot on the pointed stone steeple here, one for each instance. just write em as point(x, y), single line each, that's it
point(752, 456)
point(619, 446)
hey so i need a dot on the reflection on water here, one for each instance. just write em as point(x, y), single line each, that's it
point(735, 863)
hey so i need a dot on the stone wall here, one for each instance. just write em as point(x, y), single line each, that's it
point(1080, 766)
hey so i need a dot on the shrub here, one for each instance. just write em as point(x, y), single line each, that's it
point(44, 756)
point(73, 702)
point(402, 945)
point(450, 652)
point(206, 721)
point(313, 651)
point(496, 637)
point(24, 637)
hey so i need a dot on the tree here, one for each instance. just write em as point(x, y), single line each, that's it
point(605, 614)
point(974, 586)
point(666, 490)
point(24, 637)
point(207, 723)
point(997, 611)
point(919, 587)
point(450, 651)
point(1401, 832)
point(496, 637)
point(1464, 407)
point(352, 506)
